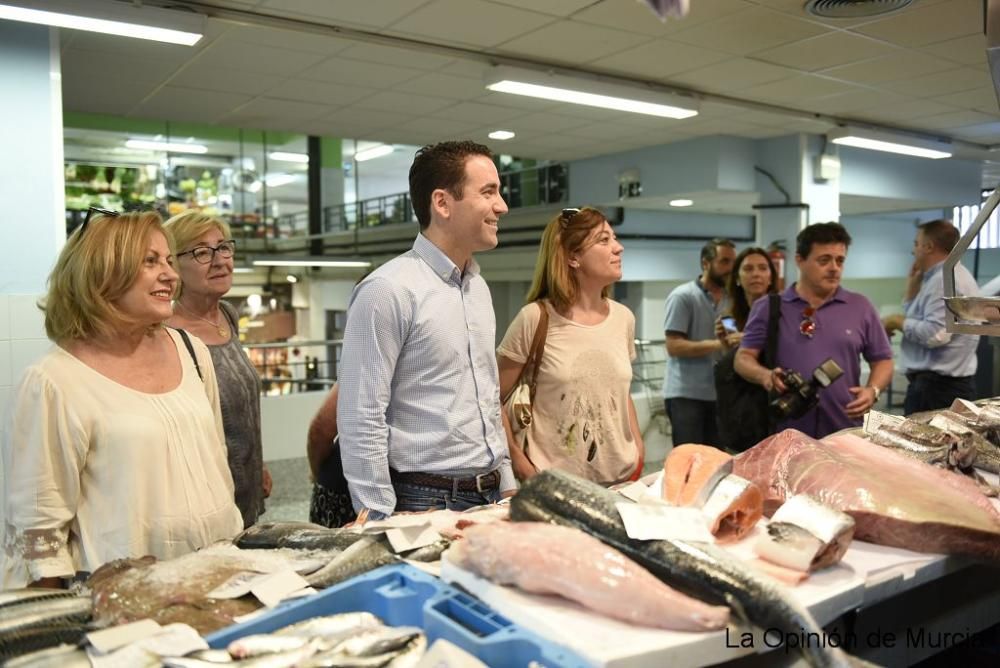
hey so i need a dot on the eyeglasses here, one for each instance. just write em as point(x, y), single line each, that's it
point(567, 215)
point(205, 254)
point(96, 211)
point(808, 325)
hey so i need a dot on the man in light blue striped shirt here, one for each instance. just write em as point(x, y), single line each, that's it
point(940, 366)
point(419, 407)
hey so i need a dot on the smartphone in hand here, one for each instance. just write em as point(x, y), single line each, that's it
point(729, 324)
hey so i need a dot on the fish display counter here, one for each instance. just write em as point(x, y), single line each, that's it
point(859, 602)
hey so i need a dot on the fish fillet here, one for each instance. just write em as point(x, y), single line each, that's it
point(894, 500)
point(691, 471)
point(549, 559)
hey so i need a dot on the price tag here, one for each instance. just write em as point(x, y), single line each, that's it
point(663, 522)
point(236, 586)
point(111, 639)
point(273, 589)
point(406, 538)
point(876, 419)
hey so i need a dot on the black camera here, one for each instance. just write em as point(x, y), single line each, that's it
point(801, 395)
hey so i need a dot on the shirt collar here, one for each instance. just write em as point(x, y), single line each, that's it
point(440, 263)
point(932, 271)
point(790, 295)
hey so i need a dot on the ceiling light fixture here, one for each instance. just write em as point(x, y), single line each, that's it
point(311, 262)
point(170, 147)
point(278, 180)
point(890, 143)
point(575, 90)
point(124, 19)
point(681, 202)
point(289, 157)
point(374, 152)
point(291, 278)
point(501, 135)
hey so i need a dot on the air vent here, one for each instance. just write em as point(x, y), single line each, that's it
point(853, 9)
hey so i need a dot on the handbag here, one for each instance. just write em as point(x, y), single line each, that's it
point(743, 417)
point(518, 401)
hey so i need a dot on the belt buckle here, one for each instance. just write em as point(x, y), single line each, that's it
point(479, 481)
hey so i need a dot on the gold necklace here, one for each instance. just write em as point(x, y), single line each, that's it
point(218, 325)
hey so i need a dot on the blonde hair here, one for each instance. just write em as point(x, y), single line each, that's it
point(98, 265)
point(186, 228)
point(563, 236)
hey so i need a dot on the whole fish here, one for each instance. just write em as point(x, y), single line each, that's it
point(939, 448)
point(29, 639)
point(430, 552)
point(401, 647)
point(332, 627)
point(366, 554)
point(296, 535)
point(981, 431)
point(29, 594)
point(44, 611)
point(698, 569)
point(60, 656)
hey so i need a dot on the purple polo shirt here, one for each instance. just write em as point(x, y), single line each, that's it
point(847, 326)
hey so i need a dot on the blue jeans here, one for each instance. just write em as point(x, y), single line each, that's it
point(692, 421)
point(417, 498)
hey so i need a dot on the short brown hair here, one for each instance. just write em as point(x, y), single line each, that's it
point(942, 233)
point(96, 267)
point(440, 167)
point(186, 228)
point(820, 233)
point(563, 236)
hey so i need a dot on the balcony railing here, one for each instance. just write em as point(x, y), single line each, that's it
point(547, 184)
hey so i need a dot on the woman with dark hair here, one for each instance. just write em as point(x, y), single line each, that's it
point(742, 406)
point(583, 420)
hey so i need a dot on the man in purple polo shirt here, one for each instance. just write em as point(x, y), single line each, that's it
point(821, 320)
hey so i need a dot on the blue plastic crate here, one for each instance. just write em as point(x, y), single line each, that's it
point(405, 596)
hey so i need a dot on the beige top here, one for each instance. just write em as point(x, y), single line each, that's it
point(96, 471)
point(580, 417)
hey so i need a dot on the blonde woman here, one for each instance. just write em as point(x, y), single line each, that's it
point(583, 418)
point(114, 446)
point(205, 255)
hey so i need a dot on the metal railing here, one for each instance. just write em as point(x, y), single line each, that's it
point(305, 366)
point(532, 186)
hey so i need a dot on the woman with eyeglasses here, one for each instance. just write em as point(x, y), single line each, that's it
point(205, 254)
point(113, 446)
point(582, 417)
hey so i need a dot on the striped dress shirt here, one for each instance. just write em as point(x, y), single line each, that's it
point(419, 389)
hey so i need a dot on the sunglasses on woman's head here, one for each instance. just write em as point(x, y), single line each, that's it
point(96, 211)
point(567, 215)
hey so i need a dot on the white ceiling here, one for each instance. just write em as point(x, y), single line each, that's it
point(411, 71)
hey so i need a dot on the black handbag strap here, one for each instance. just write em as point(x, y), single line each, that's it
point(771, 345)
point(187, 344)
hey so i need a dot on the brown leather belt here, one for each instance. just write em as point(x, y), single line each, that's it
point(484, 482)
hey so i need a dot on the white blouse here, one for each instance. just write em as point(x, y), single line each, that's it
point(96, 471)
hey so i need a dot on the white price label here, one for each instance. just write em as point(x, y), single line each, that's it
point(663, 522)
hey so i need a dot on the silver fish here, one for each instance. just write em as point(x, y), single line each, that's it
point(806, 535)
point(332, 626)
point(259, 644)
point(44, 611)
point(366, 554)
point(61, 656)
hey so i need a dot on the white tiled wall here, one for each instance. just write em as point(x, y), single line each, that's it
point(22, 340)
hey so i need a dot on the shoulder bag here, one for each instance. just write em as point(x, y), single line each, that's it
point(518, 401)
point(741, 406)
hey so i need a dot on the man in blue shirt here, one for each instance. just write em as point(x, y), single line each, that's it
point(419, 406)
point(693, 348)
point(940, 366)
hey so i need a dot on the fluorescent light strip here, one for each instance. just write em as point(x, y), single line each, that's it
point(501, 135)
point(890, 147)
point(289, 157)
point(278, 180)
point(120, 28)
point(590, 99)
point(681, 202)
point(374, 152)
point(312, 263)
point(164, 146)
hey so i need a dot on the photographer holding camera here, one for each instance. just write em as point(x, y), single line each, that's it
point(823, 331)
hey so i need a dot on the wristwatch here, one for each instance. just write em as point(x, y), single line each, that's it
point(878, 392)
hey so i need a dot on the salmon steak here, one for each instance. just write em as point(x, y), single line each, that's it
point(894, 500)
